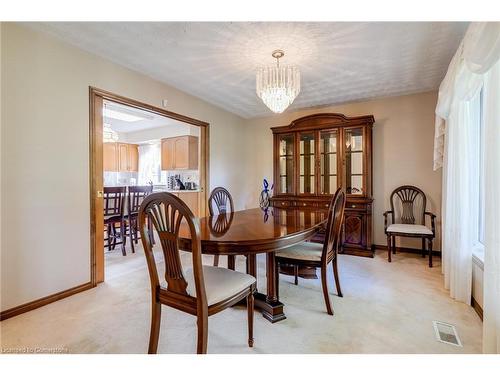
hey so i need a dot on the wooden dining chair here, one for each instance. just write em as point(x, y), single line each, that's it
point(114, 208)
point(312, 254)
point(408, 213)
point(201, 291)
point(136, 195)
point(221, 202)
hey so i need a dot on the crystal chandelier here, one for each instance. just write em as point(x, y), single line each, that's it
point(278, 86)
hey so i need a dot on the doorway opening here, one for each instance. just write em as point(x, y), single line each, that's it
point(135, 150)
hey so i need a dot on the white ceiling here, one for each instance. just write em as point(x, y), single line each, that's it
point(150, 121)
point(339, 62)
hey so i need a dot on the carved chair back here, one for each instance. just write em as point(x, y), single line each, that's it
point(136, 195)
point(222, 200)
point(334, 226)
point(408, 205)
point(168, 214)
point(114, 201)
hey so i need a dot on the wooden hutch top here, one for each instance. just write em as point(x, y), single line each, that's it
point(323, 121)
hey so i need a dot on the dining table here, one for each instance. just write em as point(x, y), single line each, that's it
point(255, 231)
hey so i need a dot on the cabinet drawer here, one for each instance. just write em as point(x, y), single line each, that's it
point(282, 203)
point(355, 206)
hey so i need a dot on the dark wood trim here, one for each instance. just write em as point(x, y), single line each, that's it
point(407, 250)
point(477, 308)
point(94, 170)
point(21, 309)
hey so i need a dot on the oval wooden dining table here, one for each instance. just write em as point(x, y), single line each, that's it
point(254, 231)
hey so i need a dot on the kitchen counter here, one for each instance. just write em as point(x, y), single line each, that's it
point(160, 189)
point(157, 189)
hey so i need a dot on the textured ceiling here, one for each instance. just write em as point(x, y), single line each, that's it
point(339, 62)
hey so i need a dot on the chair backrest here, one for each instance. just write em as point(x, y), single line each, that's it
point(408, 204)
point(114, 201)
point(136, 195)
point(222, 200)
point(167, 212)
point(334, 225)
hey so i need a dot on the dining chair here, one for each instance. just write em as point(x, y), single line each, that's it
point(312, 254)
point(201, 291)
point(221, 202)
point(114, 207)
point(136, 195)
point(408, 213)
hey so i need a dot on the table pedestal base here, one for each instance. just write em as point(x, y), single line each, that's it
point(272, 311)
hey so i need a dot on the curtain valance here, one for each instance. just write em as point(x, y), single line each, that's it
point(476, 55)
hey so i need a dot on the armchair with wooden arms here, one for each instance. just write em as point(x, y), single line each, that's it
point(408, 213)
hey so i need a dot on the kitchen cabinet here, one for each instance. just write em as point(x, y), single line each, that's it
point(191, 198)
point(133, 158)
point(120, 157)
point(110, 157)
point(179, 153)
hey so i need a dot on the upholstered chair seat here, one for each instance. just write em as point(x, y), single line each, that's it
point(409, 228)
point(220, 283)
point(303, 251)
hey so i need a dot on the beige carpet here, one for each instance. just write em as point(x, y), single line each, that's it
point(386, 308)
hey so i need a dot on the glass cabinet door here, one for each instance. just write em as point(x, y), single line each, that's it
point(307, 163)
point(354, 157)
point(328, 161)
point(286, 149)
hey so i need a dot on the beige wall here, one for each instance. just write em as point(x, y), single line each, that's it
point(402, 151)
point(45, 152)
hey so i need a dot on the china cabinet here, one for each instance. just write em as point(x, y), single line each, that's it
point(315, 155)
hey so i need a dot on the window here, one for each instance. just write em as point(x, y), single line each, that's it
point(149, 164)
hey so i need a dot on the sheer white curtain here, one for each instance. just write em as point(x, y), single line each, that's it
point(461, 198)
point(475, 65)
point(491, 296)
point(149, 164)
